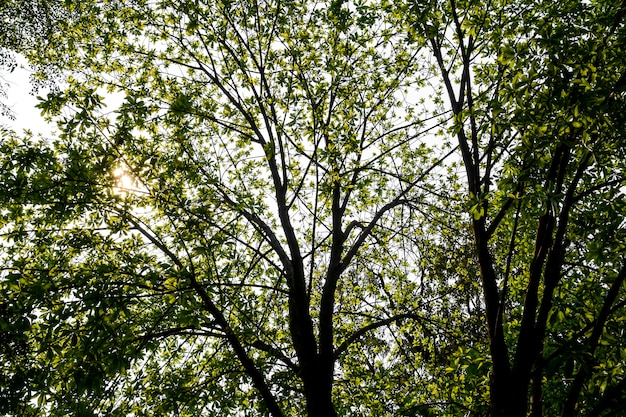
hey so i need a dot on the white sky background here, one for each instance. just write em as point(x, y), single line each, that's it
point(22, 102)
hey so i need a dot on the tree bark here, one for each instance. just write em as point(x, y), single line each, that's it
point(500, 385)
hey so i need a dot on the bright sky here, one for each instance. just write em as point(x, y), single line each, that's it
point(22, 102)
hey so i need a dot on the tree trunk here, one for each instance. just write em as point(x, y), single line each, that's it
point(319, 402)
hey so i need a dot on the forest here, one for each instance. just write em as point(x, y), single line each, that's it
point(314, 208)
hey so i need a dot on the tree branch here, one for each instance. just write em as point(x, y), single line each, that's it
point(364, 330)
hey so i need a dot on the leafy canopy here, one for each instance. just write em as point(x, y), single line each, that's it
point(331, 208)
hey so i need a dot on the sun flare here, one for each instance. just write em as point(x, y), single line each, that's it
point(125, 182)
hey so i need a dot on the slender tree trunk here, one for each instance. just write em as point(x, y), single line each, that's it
point(536, 395)
point(501, 390)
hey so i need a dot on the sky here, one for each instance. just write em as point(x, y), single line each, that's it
point(22, 102)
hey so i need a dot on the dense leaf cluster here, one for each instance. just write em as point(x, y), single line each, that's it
point(316, 208)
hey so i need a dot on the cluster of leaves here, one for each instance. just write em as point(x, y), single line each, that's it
point(332, 208)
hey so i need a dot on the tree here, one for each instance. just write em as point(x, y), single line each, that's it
point(281, 215)
point(266, 147)
point(538, 99)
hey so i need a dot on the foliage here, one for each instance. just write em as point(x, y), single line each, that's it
point(335, 208)
point(538, 103)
